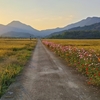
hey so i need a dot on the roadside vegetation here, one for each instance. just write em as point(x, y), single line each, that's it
point(84, 55)
point(14, 54)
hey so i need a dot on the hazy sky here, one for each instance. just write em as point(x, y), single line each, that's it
point(44, 14)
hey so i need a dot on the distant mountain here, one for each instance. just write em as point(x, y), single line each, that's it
point(17, 34)
point(84, 22)
point(1, 26)
point(78, 35)
point(5, 29)
point(93, 27)
point(91, 31)
point(18, 27)
point(24, 27)
point(49, 31)
point(87, 28)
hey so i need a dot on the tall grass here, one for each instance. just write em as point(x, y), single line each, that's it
point(14, 54)
point(79, 43)
point(84, 55)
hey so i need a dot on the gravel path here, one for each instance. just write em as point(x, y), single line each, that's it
point(48, 78)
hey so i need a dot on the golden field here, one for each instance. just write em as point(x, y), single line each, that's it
point(80, 43)
point(14, 54)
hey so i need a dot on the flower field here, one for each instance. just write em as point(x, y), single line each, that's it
point(84, 55)
point(14, 53)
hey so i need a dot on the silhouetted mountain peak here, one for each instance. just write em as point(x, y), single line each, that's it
point(92, 18)
point(21, 25)
point(16, 24)
point(15, 21)
point(88, 17)
point(87, 21)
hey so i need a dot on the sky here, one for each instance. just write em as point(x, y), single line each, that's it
point(47, 14)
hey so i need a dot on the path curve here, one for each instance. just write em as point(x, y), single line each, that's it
point(48, 78)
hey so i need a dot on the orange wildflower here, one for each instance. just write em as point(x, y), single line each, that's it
point(86, 69)
point(99, 59)
point(99, 73)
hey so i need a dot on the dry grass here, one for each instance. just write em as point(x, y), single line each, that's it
point(14, 54)
point(80, 43)
point(84, 55)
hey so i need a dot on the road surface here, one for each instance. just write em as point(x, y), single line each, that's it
point(47, 77)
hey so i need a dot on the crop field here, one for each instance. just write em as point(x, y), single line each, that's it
point(14, 54)
point(86, 44)
point(84, 55)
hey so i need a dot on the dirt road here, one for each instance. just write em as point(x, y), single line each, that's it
point(48, 78)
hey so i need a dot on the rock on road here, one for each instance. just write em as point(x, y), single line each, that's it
point(48, 78)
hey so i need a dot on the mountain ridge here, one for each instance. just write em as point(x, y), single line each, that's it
point(87, 21)
point(91, 31)
point(18, 26)
point(17, 35)
point(83, 22)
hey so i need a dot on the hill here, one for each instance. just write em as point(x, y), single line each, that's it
point(17, 35)
point(90, 27)
point(84, 22)
point(19, 27)
point(23, 27)
point(78, 35)
point(91, 31)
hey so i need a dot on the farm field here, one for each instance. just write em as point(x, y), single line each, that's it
point(84, 55)
point(47, 73)
point(14, 54)
point(84, 43)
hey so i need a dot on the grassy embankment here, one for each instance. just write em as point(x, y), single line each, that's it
point(14, 54)
point(84, 55)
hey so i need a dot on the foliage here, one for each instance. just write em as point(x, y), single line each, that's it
point(86, 61)
point(14, 53)
point(85, 32)
point(77, 35)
